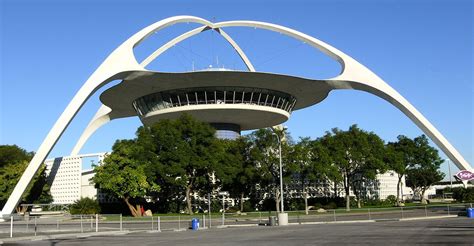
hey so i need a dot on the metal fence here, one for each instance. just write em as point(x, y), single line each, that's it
point(27, 226)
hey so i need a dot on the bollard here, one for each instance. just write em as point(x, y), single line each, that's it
point(57, 225)
point(11, 226)
point(260, 217)
point(334, 211)
point(96, 223)
point(369, 214)
point(223, 217)
point(92, 222)
point(426, 212)
point(35, 226)
point(82, 228)
point(179, 223)
point(159, 224)
point(120, 222)
point(152, 222)
point(27, 225)
point(210, 220)
point(448, 211)
point(203, 221)
point(402, 212)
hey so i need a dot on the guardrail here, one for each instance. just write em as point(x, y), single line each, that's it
point(26, 226)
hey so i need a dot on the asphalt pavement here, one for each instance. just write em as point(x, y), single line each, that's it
point(449, 231)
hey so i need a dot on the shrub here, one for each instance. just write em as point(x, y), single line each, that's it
point(391, 200)
point(233, 209)
point(85, 205)
point(462, 194)
point(330, 205)
point(317, 205)
point(248, 207)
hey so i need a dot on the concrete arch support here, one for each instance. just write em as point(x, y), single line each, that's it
point(101, 118)
point(191, 33)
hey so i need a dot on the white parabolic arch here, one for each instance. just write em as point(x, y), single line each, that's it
point(121, 64)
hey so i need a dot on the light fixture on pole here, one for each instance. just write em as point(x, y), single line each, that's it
point(223, 194)
point(450, 177)
point(282, 216)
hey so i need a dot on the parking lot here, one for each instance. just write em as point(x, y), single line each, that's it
point(452, 231)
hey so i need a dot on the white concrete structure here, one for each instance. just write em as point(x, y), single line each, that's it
point(387, 185)
point(295, 92)
point(67, 179)
point(384, 185)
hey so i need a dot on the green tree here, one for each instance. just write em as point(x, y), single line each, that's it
point(309, 161)
point(419, 179)
point(358, 155)
point(10, 154)
point(185, 152)
point(462, 194)
point(401, 155)
point(85, 205)
point(264, 151)
point(241, 176)
point(13, 162)
point(423, 164)
point(122, 174)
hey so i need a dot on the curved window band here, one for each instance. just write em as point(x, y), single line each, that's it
point(213, 95)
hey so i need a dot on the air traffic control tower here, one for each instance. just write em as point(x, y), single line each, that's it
point(230, 100)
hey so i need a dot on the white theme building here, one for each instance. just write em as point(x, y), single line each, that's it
point(230, 100)
point(68, 181)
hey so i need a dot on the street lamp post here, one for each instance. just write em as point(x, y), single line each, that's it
point(281, 174)
point(223, 194)
point(282, 217)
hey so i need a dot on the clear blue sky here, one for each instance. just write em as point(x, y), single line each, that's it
point(424, 49)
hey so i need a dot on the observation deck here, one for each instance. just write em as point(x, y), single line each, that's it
point(250, 100)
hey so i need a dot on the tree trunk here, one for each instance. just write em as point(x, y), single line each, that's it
point(306, 200)
point(21, 210)
point(346, 189)
point(139, 210)
point(423, 200)
point(277, 200)
point(348, 202)
point(132, 209)
point(188, 199)
point(398, 189)
point(242, 202)
point(358, 202)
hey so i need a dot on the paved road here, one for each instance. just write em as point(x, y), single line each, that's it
point(59, 225)
point(452, 231)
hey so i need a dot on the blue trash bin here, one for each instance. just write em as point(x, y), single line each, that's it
point(470, 212)
point(195, 224)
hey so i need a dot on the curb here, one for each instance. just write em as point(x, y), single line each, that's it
point(429, 217)
point(236, 226)
point(60, 236)
point(333, 222)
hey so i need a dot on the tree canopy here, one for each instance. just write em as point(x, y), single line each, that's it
point(122, 174)
point(13, 162)
point(358, 155)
